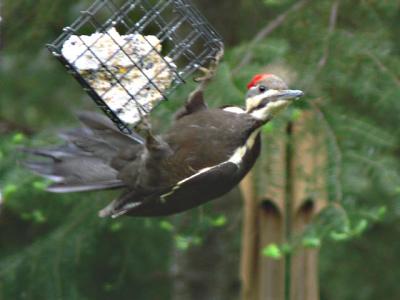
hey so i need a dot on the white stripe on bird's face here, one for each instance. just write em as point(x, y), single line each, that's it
point(270, 110)
point(266, 105)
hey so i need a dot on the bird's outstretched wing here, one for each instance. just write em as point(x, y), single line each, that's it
point(85, 162)
point(186, 194)
point(105, 129)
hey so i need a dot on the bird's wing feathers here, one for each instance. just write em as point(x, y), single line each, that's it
point(201, 180)
point(105, 129)
point(194, 104)
point(85, 141)
point(174, 199)
point(86, 161)
point(79, 187)
point(75, 173)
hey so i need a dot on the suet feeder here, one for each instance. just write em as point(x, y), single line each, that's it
point(128, 55)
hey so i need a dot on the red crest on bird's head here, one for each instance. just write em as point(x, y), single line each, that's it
point(257, 78)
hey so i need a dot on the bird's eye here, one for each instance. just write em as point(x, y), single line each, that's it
point(262, 88)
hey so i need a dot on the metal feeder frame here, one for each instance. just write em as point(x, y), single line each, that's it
point(191, 49)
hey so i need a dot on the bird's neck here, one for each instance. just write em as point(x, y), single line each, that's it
point(253, 124)
point(258, 123)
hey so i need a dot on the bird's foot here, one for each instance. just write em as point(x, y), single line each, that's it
point(144, 127)
point(209, 73)
point(153, 143)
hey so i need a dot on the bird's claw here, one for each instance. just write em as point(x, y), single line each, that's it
point(209, 73)
point(145, 127)
point(151, 141)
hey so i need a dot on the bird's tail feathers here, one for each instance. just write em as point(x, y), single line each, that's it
point(72, 171)
point(84, 163)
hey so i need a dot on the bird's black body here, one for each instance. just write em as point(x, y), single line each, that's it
point(182, 176)
point(204, 154)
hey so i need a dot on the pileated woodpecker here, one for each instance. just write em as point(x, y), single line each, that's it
point(205, 153)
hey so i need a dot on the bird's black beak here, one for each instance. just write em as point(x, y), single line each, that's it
point(290, 94)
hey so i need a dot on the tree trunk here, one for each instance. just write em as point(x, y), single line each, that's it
point(281, 196)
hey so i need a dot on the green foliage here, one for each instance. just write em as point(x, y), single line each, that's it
point(218, 221)
point(185, 242)
point(311, 242)
point(166, 225)
point(8, 190)
point(55, 247)
point(274, 2)
point(273, 251)
point(357, 91)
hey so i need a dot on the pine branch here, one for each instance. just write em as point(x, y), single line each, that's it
point(266, 31)
point(309, 80)
point(383, 68)
point(337, 153)
point(331, 29)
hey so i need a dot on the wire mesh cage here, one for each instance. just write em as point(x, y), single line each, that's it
point(128, 55)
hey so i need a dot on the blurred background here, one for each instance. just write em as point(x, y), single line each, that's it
point(343, 54)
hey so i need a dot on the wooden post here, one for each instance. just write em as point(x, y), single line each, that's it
point(281, 196)
point(248, 263)
point(309, 196)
